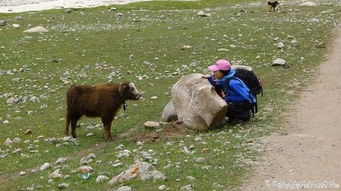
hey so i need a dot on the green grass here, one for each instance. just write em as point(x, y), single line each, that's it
point(93, 43)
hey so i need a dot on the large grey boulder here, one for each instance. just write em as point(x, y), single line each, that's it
point(169, 113)
point(196, 103)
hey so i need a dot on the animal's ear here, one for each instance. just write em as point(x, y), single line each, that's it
point(125, 85)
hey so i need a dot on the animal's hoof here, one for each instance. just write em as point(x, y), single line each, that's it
point(109, 139)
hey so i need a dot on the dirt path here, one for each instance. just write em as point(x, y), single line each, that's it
point(312, 149)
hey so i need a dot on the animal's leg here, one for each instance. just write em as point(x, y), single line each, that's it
point(106, 120)
point(73, 126)
point(67, 124)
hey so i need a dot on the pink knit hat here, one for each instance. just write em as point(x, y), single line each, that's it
point(220, 65)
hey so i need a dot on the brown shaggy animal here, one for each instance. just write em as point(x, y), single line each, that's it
point(102, 100)
point(272, 5)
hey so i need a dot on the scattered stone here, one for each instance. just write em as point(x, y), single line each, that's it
point(85, 169)
point(117, 164)
point(191, 178)
point(151, 125)
point(143, 170)
point(22, 173)
point(203, 14)
point(162, 187)
point(63, 185)
point(153, 97)
point(198, 139)
point(321, 45)
point(68, 11)
point(28, 132)
point(38, 29)
point(187, 188)
point(2, 23)
point(200, 159)
point(45, 166)
point(223, 50)
point(139, 143)
point(5, 122)
point(280, 45)
point(55, 174)
point(8, 142)
point(124, 188)
point(124, 153)
point(113, 9)
point(16, 26)
point(184, 47)
point(60, 161)
point(89, 134)
point(279, 62)
point(308, 3)
point(12, 100)
point(16, 140)
point(19, 18)
point(101, 178)
point(16, 80)
point(119, 15)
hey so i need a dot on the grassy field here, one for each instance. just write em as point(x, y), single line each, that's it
point(144, 46)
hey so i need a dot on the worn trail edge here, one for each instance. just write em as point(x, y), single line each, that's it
point(311, 151)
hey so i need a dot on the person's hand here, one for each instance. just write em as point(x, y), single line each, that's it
point(205, 76)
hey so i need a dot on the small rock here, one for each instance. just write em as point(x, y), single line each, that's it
point(16, 26)
point(84, 169)
point(63, 185)
point(308, 3)
point(19, 18)
point(16, 140)
point(198, 139)
point(12, 101)
point(28, 132)
point(119, 15)
point(45, 166)
point(124, 188)
point(154, 98)
point(5, 122)
point(8, 142)
point(321, 45)
point(191, 178)
point(124, 153)
point(162, 187)
point(280, 45)
point(16, 80)
point(60, 160)
point(101, 178)
point(68, 11)
point(89, 134)
point(22, 173)
point(151, 124)
point(157, 175)
point(279, 62)
point(2, 23)
point(38, 29)
point(117, 164)
point(139, 143)
point(200, 159)
point(55, 174)
point(113, 9)
point(203, 14)
point(187, 187)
